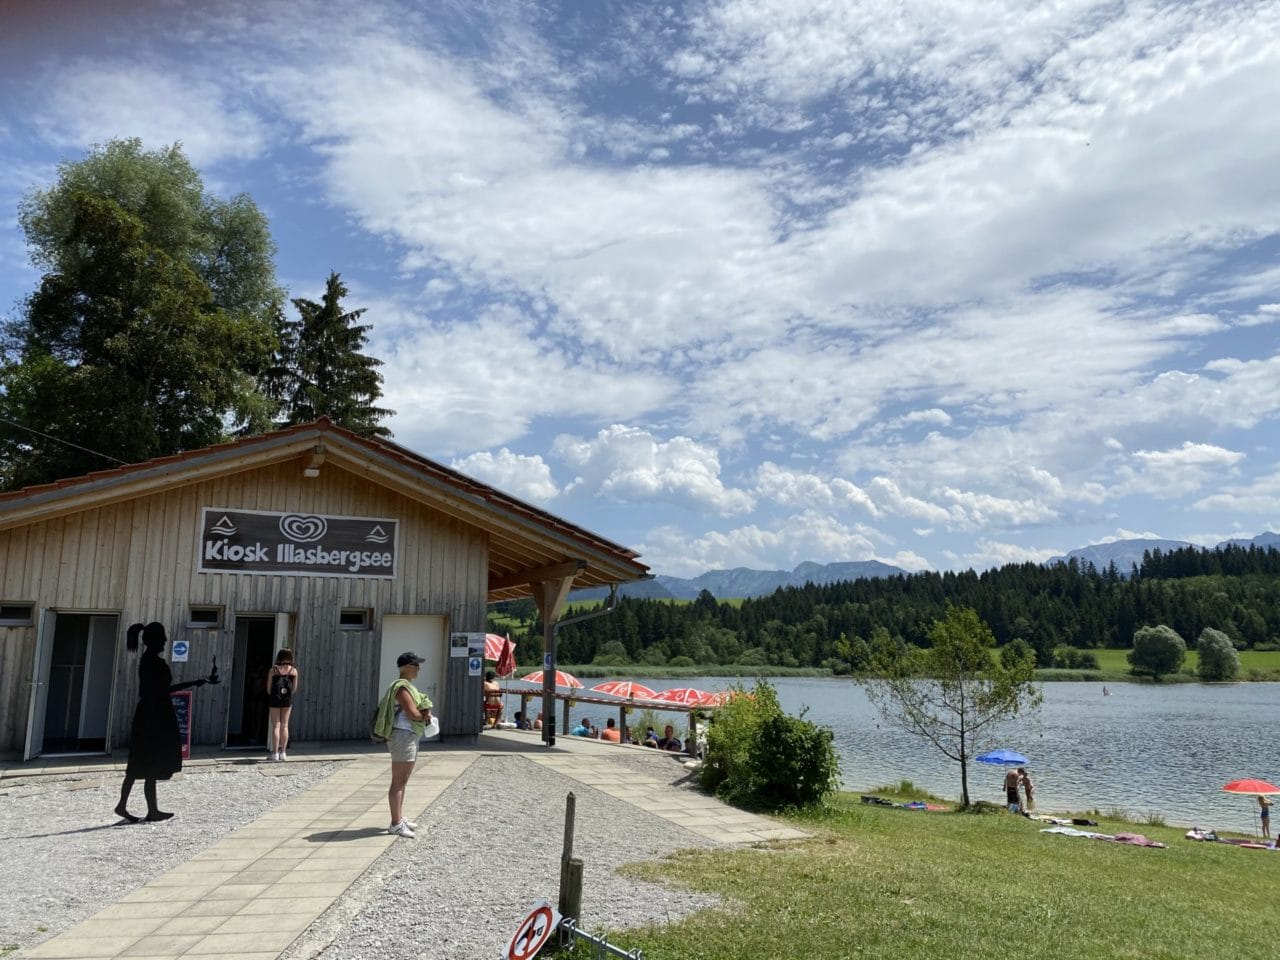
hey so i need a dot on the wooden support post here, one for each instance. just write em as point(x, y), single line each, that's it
point(570, 900)
point(622, 724)
point(565, 724)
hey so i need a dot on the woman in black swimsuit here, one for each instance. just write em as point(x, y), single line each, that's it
point(155, 747)
point(282, 684)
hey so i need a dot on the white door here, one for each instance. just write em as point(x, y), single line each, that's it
point(40, 684)
point(424, 636)
point(99, 681)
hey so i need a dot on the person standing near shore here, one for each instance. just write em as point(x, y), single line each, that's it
point(1264, 814)
point(155, 745)
point(282, 684)
point(1011, 782)
point(1028, 788)
point(403, 715)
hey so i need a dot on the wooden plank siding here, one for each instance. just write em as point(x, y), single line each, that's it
point(138, 559)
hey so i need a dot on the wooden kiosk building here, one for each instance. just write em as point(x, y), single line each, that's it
point(349, 551)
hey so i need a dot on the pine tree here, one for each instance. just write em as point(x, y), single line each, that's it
point(325, 374)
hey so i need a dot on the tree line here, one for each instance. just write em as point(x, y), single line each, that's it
point(1052, 609)
point(158, 325)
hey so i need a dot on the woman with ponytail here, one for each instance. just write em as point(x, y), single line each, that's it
point(155, 747)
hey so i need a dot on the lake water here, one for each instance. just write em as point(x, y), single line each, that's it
point(1145, 749)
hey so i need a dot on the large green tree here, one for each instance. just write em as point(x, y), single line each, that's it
point(1157, 650)
point(151, 323)
point(952, 693)
point(322, 371)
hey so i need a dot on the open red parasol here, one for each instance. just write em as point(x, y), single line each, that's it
point(625, 688)
point(1257, 788)
point(687, 696)
point(562, 679)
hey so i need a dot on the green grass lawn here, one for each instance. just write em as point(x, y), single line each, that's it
point(1262, 661)
point(884, 882)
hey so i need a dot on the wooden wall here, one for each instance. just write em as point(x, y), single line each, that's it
point(138, 559)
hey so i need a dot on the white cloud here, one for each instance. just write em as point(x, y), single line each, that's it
point(1260, 496)
point(92, 102)
point(526, 477)
point(459, 386)
point(891, 499)
point(808, 535)
point(631, 465)
point(989, 553)
point(792, 488)
point(1175, 472)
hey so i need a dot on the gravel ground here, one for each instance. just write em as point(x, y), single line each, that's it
point(485, 851)
point(70, 856)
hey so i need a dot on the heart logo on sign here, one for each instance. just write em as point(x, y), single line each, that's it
point(303, 529)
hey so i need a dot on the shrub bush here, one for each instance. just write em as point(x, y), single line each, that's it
point(681, 662)
point(1073, 658)
point(759, 757)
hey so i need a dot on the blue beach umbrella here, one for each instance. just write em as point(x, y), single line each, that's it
point(1003, 758)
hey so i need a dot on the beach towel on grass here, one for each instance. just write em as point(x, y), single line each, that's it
point(1131, 839)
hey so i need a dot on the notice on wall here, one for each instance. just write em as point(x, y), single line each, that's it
point(458, 646)
point(296, 544)
point(179, 651)
point(473, 666)
point(182, 704)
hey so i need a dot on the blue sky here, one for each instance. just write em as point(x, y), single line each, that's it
point(746, 283)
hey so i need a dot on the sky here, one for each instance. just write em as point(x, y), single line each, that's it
point(946, 284)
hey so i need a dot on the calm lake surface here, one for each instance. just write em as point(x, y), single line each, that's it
point(1145, 749)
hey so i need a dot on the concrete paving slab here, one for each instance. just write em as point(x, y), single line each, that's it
point(252, 893)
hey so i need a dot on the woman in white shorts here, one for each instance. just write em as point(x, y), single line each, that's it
point(411, 714)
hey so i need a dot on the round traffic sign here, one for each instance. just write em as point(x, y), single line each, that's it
point(533, 933)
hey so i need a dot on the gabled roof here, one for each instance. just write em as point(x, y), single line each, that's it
point(524, 542)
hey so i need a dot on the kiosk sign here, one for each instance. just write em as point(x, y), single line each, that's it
point(297, 544)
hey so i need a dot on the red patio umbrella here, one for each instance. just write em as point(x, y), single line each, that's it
point(493, 646)
point(625, 688)
point(562, 679)
point(688, 696)
point(1254, 787)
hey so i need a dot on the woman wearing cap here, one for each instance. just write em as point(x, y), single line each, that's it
point(403, 715)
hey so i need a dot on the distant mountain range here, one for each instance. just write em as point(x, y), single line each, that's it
point(744, 582)
point(1127, 554)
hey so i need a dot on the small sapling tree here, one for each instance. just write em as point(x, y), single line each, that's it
point(952, 693)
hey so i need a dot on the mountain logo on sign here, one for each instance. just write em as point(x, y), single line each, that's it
point(377, 534)
point(224, 527)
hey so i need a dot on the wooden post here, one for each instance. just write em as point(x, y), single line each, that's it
point(570, 900)
point(622, 724)
point(565, 725)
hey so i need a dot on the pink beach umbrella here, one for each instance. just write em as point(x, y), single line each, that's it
point(686, 696)
point(625, 688)
point(562, 679)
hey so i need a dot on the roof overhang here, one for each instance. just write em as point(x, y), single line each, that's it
point(526, 544)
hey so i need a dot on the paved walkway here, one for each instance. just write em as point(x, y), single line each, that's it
point(254, 891)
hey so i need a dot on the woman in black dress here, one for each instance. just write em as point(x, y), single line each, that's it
point(155, 747)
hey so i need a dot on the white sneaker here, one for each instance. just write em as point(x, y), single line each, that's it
point(410, 824)
point(401, 829)
point(283, 756)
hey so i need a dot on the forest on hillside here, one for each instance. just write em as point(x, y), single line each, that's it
point(1232, 589)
